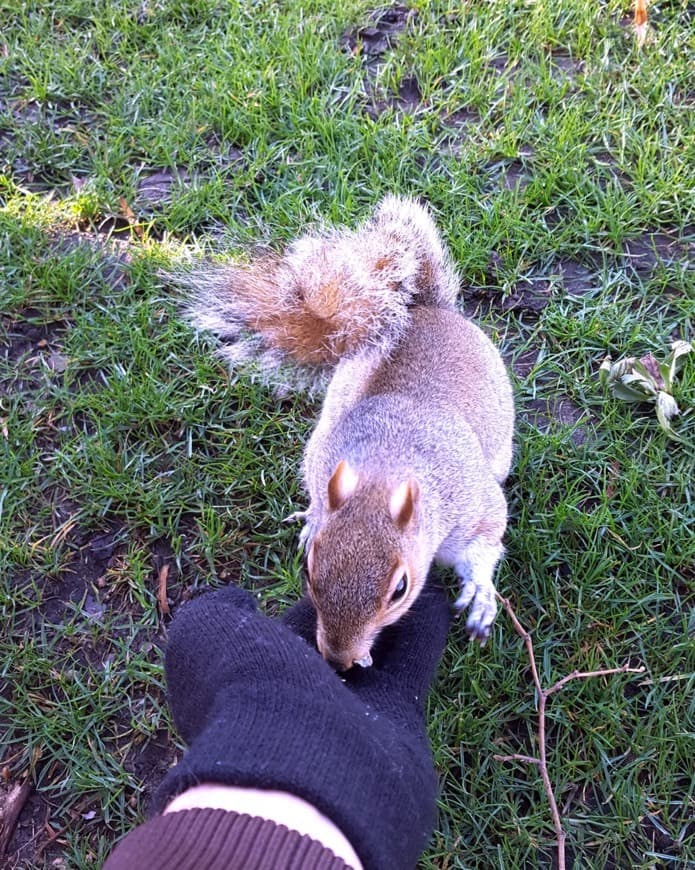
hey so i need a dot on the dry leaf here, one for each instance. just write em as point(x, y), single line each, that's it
point(641, 19)
point(162, 590)
point(650, 363)
point(129, 215)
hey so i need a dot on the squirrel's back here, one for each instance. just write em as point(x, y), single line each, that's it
point(418, 408)
point(445, 360)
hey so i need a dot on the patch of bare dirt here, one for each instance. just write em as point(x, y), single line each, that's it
point(510, 174)
point(407, 99)
point(225, 155)
point(513, 173)
point(529, 295)
point(155, 189)
point(149, 761)
point(608, 169)
point(370, 43)
point(502, 64)
point(564, 66)
point(374, 39)
point(409, 95)
point(456, 128)
point(524, 363)
point(31, 338)
point(644, 253)
point(576, 279)
point(546, 414)
point(460, 119)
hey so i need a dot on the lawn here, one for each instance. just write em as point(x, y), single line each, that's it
point(559, 159)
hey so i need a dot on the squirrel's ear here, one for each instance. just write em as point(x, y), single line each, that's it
point(403, 501)
point(342, 485)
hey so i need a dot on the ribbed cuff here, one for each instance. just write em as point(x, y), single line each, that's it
point(217, 840)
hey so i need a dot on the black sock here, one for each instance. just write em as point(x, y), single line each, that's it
point(259, 707)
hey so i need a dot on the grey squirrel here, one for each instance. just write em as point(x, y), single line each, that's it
point(414, 438)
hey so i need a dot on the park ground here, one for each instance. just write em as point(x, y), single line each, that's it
point(558, 156)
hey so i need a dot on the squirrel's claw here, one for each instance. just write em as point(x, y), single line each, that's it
point(296, 516)
point(483, 609)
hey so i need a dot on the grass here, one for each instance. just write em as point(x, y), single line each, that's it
point(548, 146)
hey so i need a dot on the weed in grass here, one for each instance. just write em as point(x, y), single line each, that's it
point(647, 380)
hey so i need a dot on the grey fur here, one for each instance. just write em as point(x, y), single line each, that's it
point(414, 440)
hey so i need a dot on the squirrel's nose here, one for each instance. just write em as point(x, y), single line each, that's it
point(335, 660)
point(344, 664)
point(337, 663)
point(342, 661)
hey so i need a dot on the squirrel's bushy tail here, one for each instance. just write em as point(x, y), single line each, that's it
point(329, 295)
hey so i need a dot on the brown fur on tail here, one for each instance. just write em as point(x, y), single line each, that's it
point(329, 295)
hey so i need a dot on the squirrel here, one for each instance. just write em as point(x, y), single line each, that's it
point(414, 438)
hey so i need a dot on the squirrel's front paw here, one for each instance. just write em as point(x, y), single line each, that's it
point(481, 598)
point(296, 517)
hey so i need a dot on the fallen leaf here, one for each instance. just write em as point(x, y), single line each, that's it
point(641, 18)
point(162, 590)
point(128, 213)
point(647, 380)
point(57, 362)
point(652, 366)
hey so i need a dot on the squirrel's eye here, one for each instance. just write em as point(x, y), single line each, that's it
point(400, 590)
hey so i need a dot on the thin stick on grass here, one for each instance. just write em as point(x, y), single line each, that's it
point(541, 762)
point(11, 805)
point(162, 577)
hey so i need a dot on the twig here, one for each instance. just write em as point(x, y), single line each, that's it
point(541, 762)
point(162, 577)
point(527, 759)
point(583, 675)
point(672, 678)
point(11, 805)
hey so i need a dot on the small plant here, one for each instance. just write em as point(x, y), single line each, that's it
point(647, 380)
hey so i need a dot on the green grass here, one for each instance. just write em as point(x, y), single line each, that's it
point(123, 445)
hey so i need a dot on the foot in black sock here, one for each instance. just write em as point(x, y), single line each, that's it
point(260, 707)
